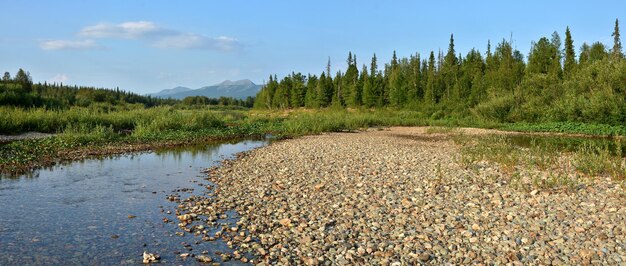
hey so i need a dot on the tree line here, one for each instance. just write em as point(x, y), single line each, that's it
point(552, 83)
point(20, 91)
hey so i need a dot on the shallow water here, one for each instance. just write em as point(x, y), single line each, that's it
point(78, 214)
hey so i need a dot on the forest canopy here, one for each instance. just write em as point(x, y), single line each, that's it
point(553, 82)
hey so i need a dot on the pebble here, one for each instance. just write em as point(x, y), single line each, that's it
point(150, 258)
point(399, 195)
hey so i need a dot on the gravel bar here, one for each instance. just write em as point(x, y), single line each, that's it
point(400, 197)
point(24, 136)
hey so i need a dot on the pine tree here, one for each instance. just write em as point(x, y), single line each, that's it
point(373, 66)
point(352, 94)
point(617, 43)
point(6, 77)
point(430, 96)
point(328, 67)
point(369, 97)
point(310, 99)
point(449, 70)
point(570, 54)
point(394, 61)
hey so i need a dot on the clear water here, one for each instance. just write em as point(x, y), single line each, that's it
point(78, 213)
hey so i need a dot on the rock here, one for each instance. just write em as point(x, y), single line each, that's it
point(406, 203)
point(285, 222)
point(204, 259)
point(475, 227)
point(400, 195)
point(150, 258)
point(424, 257)
point(184, 217)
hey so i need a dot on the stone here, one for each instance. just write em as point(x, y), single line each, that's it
point(285, 222)
point(150, 258)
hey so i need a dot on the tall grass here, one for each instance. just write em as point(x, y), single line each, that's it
point(16, 120)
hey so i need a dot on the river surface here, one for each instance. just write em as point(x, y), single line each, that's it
point(107, 211)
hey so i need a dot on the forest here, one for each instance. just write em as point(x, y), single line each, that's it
point(554, 83)
point(20, 91)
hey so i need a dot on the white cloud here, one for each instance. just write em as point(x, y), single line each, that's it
point(59, 78)
point(68, 45)
point(195, 41)
point(126, 30)
point(153, 34)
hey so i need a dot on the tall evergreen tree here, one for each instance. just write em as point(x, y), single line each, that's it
point(6, 77)
point(570, 54)
point(373, 66)
point(430, 94)
point(617, 43)
point(310, 99)
point(449, 71)
point(352, 93)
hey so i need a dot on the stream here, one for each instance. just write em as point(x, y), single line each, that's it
point(110, 210)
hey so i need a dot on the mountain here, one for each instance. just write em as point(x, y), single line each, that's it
point(239, 89)
point(168, 92)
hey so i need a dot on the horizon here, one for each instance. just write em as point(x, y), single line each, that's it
point(145, 47)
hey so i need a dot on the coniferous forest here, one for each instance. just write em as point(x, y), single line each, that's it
point(20, 91)
point(555, 82)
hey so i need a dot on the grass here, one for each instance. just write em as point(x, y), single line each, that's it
point(99, 127)
point(546, 162)
point(568, 127)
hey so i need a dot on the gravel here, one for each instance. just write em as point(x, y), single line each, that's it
point(395, 197)
point(24, 136)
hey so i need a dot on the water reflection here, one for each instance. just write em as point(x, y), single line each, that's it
point(79, 213)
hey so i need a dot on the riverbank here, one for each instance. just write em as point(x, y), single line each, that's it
point(81, 133)
point(405, 195)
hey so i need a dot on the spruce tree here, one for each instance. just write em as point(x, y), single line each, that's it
point(449, 70)
point(570, 54)
point(430, 92)
point(617, 43)
point(6, 77)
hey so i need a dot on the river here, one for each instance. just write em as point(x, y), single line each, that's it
point(108, 211)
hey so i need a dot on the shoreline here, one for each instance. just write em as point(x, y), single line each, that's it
point(92, 151)
point(120, 147)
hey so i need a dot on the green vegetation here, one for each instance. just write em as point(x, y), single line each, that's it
point(552, 91)
point(19, 91)
point(550, 87)
point(545, 162)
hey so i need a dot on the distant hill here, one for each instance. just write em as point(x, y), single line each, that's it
point(168, 92)
point(239, 89)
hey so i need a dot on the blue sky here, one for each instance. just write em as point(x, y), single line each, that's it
point(151, 45)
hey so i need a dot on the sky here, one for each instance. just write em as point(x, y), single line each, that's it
point(146, 46)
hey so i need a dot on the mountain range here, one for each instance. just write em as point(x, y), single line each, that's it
point(239, 89)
